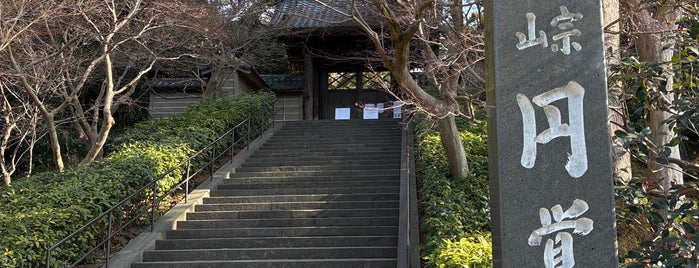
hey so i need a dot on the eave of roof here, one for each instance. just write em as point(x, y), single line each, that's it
point(179, 83)
point(283, 82)
point(312, 14)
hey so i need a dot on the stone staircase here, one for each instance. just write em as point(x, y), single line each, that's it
point(316, 194)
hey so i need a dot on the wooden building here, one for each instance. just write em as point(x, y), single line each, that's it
point(340, 71)
point(289, 92)
point(171, 96)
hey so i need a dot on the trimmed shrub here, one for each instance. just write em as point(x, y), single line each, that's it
point(37, 212)
point(475, 251)
point(456, 212)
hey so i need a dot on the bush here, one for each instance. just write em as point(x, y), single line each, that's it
point(37, 212)
point(657, 228)
point(160, 158)
point(475, 251)
point(456, 212)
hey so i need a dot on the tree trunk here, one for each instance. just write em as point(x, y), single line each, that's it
point(621, 159)
point(99, 138)
point(654, 44)
point(48, 116)
point(55, 143)
point(670, 174)
point(215, 85)
point(454, 149)
point(97, 145)
point(396, 57)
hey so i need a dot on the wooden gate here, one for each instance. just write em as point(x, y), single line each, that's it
point(353, 90)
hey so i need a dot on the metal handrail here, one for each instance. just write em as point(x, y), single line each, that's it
point(151, 189)
point(407, 223)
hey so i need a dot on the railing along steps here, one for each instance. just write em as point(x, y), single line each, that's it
point(316, 194)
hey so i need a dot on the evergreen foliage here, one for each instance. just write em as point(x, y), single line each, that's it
point(37, 212)
point(455, 212)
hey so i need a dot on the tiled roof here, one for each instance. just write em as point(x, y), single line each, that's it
point(307, 14)
point(283, 82)
point(179, 83)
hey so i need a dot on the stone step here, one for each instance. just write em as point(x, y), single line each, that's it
point(346, 126)
point(308, 173)
point(373, 148)
point(269, 253)
point(336, 142)
point(301, 198)
point(232, 185)
point(391, 138)
point(319, 152)
point(343, 128)
point(287, 222)
point(318, 178)
point(305, 191)
point(276, 263)
point(283, 231)
point(295, 213)
point(316, 194)
point(332, 137)
point(292, 158)
point(373, 160)
point(322, 168)
point(354, 127)
point(283, 157)
point(331, 175)
point(297, 205)
point(354, 124)
point(323, 151)
point(340, 130)
point(266, 242)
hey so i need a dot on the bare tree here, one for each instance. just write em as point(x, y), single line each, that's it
point(83, 60)
point(18, 130)
point(18, 118)
point(443, 39)
point(19, 16)
point(61, 56)
point(231, 36)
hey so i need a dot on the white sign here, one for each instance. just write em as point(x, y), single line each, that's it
point(342, 113)
point(397, 109)
point(371, 111)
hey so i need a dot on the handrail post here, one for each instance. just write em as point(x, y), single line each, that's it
point(213, 161)
point(153, 206)
point(186, 178)
point(109, 238)
point(247, 144)
point(48, 258)
point(263, 121)
point(232, 144)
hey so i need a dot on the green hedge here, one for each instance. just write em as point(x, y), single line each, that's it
point(37, 212)
point(199, 124)
point(456, 212)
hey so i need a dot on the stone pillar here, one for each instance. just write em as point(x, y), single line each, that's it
point(552, 199)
